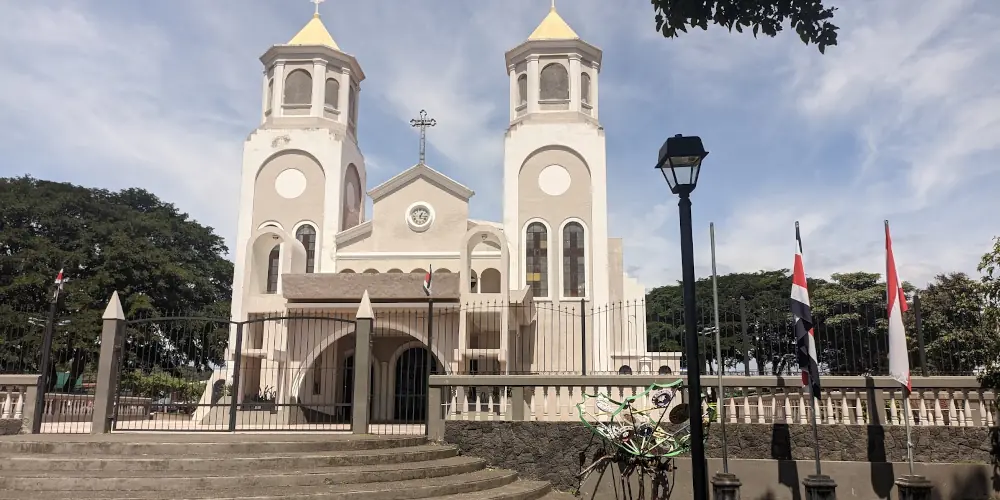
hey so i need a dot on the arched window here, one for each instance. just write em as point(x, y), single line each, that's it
point(522, 90)
point(443, 270)
point(489, 281)
point(536, 259)
point(554, 82)
point(371, 271)
point(307, 235)
point(473, 282)
point(347, 271)
point(352, 101)
point(272, 269)
point(574, 261)
point(394, 270)
point(270, 95)
point(625, 370)
point(332, 96)
point(298, 87)
point(352, 198)
point(664, 370)
point(585, 87)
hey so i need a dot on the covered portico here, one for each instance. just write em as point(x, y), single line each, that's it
point(322, 362)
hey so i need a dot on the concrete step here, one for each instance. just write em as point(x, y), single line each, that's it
point(262, 461)
point(165, 444)
point(169, 482)
point(458, 484)
point(558, 495)
point(519, 490)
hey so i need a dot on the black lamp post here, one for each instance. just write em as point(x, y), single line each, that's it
point(680, 162)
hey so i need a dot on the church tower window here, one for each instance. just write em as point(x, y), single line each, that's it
point(332, 95)
point(554, 82)
point(298, 87)
point(574, 261)
point(522, 90)
point(536, 259)
point(270, 95)
point(307, 235)
point(585, 88)
point(352, 198)
point(272, 269)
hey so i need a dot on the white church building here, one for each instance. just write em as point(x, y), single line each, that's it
point(542, 290)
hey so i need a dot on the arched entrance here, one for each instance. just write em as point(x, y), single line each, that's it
point(347, 390)
point(410, 395)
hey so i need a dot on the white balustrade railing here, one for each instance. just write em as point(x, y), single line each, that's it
point(934, 401)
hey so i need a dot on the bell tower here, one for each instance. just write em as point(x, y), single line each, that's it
point(303, 172)
point(555, 177)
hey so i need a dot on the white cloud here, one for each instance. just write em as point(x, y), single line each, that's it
point(914, 88)
point(900, 121)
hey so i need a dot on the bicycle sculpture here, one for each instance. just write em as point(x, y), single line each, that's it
point(643, 431)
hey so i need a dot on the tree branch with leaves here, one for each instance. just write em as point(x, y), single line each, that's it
point(809, 18)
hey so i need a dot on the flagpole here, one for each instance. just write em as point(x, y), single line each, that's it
point(906, 390)
point(909, 438)
point(720, 400)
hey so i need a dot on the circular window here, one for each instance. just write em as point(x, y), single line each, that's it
point(290, 183)
point(419, 216)
point(554, 180)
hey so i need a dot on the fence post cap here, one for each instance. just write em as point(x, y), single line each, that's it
point(365, 309)
point(114, 310)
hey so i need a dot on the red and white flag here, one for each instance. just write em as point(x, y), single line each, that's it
point(899, 358)
point(427, 280)
point(805, 338)
point(59, 284)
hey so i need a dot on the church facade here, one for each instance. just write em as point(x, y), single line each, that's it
point(305, 244)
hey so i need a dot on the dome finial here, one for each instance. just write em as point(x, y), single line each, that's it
point(317, 2)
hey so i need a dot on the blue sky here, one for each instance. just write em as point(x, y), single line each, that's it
point(901, 121)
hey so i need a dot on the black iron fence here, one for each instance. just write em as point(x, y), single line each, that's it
point(295, 370)
point(757, 337)
point(72, 363)
point(274, 371)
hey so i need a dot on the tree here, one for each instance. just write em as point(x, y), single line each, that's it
point(955, 339)
point(156, 257)
point(851, 327)
point(763, 293)
point(989, 266)
point(809, 18)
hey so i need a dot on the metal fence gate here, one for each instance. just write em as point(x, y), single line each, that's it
point(273, 372)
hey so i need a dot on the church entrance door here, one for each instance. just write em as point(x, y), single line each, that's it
point(411, 386)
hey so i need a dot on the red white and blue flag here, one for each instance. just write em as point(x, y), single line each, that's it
point(427, 281)
point(899, 360)
point(805, 338)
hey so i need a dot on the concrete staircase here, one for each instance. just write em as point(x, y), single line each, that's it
point(244, 466)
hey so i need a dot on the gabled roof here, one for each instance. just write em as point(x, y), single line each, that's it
point(314, 33)
point(417, 171)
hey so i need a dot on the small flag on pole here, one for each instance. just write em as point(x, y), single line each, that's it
point(59, 284)
point(427, 281)
point(805, 338)
point(899, 360)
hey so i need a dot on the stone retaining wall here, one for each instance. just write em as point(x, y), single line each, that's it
point(557, 451)
point(9, 426)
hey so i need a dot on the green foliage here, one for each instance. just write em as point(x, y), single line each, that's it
point(156, 257)
point(955, 336)
point(809, 18)
point(159, 385)
point(989, 266)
